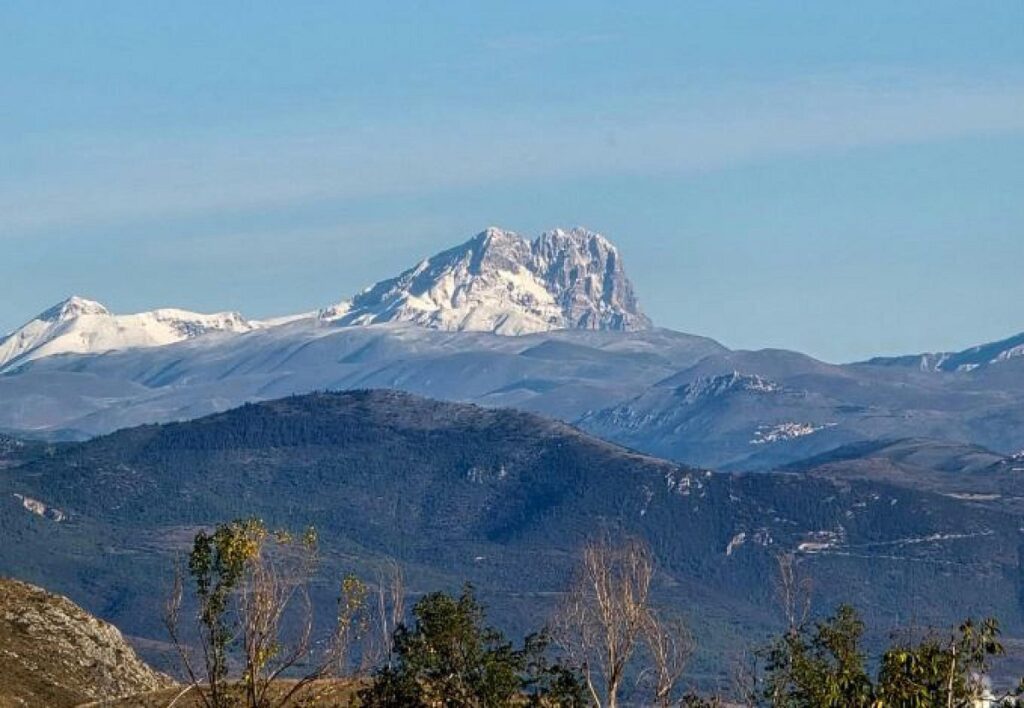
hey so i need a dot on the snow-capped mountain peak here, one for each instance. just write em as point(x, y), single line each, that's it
point(501, 282)
point(80, 326)
point(497, 281)
point(71, 308)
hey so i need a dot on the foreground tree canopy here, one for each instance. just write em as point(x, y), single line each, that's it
point(449, 657)
point(252, 625)
point(823, 665)
point(246, 579)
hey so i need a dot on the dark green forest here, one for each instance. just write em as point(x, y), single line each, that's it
point(501, 499)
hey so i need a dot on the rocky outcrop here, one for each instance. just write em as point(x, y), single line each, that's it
point(53, 653)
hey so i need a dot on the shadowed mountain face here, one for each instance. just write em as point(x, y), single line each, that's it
point(673, 395)
point(501, 498)
point(562, 374)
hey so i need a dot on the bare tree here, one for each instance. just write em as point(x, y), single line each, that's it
point(793, 591)
point(390, 612)
point(745, 673)
point(606, 614)
point(212, 673)
point(249, 584)
point(669, 645)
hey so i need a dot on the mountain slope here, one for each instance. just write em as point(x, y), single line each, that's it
point(497, 497)
point(659, 391)
point(54, 654)
point(12, 449)
point(763, 409)
point(718, 420)
point(655, 390)
point(500, 282)
point(80, 326)
point(965, 360)
point(957, 470)
point(562, 373)
point(495, 282)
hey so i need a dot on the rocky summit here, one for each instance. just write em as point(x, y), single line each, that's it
point(501, 282)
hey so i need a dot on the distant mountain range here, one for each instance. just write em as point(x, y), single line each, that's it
point(966, 360)
point(496, 282)
point(897, 481)
point(583, 352)
point(494, 496)
point(786, 406)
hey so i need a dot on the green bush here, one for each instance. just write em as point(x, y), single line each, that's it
point(449, 657)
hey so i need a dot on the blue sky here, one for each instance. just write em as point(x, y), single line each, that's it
point(841, 178)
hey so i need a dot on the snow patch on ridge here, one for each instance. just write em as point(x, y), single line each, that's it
point(81, 326)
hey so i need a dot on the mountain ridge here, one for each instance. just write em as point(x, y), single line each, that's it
point(497, 281)
point(497, 497)
point(676, 396)
point(963, 361)
point(561, 373)
point(77, 325)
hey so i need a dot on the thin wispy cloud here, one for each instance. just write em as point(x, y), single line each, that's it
point(94, 183)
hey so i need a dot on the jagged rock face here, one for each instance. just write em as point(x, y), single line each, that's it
point(587, 272)
point(53, 653)
point(500, 282)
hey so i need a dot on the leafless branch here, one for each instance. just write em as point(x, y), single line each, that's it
point(793, 592)
point(670, 645)
point(605, 614)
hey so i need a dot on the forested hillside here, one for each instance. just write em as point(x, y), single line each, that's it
point(503, 499)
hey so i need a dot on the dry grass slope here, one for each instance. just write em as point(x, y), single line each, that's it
point(54, 654)
point(331, 693)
